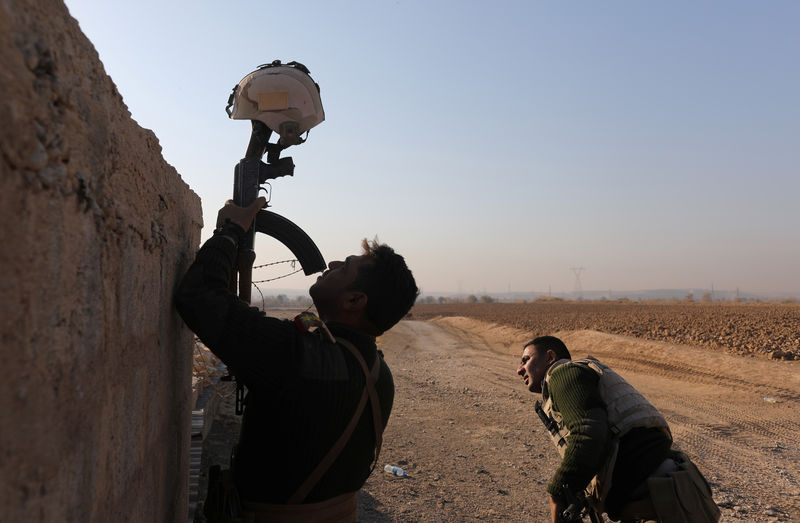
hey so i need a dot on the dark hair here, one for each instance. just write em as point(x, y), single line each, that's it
point(544, 343)
point(388, 284)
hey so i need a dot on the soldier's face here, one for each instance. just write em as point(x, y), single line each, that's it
point(331, 289)
point(532, 368)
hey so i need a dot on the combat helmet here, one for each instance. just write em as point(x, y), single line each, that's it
point(282, 96)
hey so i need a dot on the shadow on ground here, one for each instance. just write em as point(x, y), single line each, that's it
point(370, 509)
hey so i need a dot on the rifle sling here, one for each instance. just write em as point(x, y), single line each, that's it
point(336, 449)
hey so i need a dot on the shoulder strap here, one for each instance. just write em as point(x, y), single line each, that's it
point(336, 449)
point(372, 378)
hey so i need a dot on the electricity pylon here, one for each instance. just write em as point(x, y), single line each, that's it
point(578, 289)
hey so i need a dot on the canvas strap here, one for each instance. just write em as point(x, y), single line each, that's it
point(336, 449)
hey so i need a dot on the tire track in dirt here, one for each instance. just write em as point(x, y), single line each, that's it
point(730, 441)
point(689, 374)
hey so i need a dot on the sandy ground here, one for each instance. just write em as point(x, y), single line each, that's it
point(464, 428)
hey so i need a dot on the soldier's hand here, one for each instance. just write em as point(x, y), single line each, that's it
point(557, 506)
point(241, 216)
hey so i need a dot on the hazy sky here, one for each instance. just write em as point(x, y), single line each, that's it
point(497, 144)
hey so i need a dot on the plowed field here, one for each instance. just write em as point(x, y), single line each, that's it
point(759, 329)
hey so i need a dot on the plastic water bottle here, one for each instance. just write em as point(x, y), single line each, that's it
point(397, 471)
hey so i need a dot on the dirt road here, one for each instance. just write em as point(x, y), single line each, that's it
point(464, 428)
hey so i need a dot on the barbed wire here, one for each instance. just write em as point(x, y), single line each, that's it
point(293, 262)
point(279, 277)
point(256, 282)
point(263, 301)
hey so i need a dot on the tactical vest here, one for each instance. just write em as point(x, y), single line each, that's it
point(626, 408)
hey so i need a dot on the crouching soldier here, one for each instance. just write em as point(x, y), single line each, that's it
point(615, 446)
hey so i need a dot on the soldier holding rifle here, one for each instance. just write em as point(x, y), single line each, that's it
point(616, 448)
point(317, 401)
point(319, 391)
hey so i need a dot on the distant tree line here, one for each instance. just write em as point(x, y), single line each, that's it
point(282, 300)
point(689, 298)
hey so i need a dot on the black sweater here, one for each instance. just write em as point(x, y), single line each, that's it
point(302, 389)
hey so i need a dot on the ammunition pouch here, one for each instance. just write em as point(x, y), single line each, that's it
point(681, 495)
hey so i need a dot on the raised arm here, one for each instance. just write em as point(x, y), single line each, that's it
point(240, 335)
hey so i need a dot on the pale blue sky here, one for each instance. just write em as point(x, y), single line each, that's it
point(496, 145)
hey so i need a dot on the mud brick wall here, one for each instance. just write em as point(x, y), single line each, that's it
point(97, 229)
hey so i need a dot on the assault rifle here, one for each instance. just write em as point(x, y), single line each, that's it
point(280, 98)
point(578, 507)
point(248, 177)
